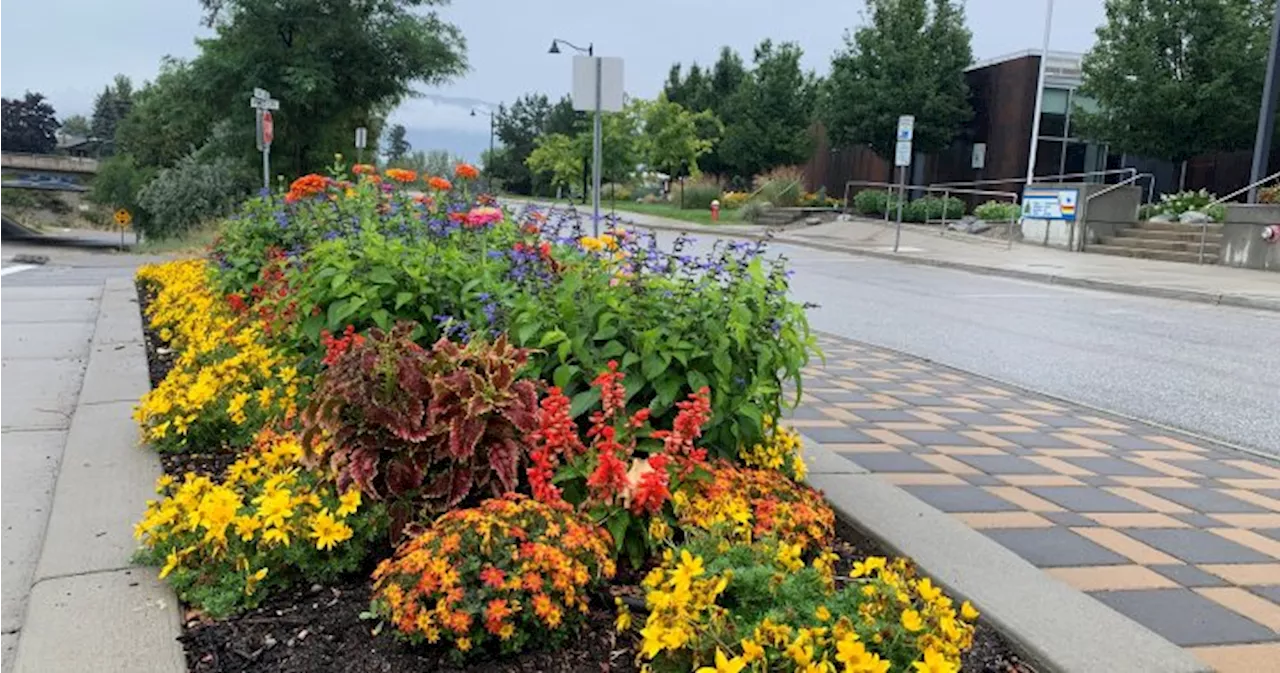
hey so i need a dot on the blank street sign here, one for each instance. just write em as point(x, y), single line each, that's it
point(584, 83)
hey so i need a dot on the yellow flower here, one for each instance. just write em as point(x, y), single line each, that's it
point(822, 613)
point(789, 555)
point(591, 244)
point(276, 535)
point(867, 567)
point(934, 662)
point(251, 582)
point(327, 531)
point(927, 591)
point(170, 562)
point(275, 506)
point(623, 622)
point(751, 651)
point(464, 644)
point(911, 621)
point(968, 612)
point(348, 502)
point(724, 664)
point(658, 528)
point(235, 408)
point(246, 526)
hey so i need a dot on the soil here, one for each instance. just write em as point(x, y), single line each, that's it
point(318, 629)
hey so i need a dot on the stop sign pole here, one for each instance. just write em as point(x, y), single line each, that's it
point(263, 104)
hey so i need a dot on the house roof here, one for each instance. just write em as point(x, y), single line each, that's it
point(1062, 69)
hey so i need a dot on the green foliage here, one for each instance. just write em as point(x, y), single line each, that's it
point(518, 128)
point(672, 140)
point(874, 202)
point(998, 211)
point(696, 194)
point(928, 208)
point(27, 124)
point(558, 158)
point(768, 116)
point(397, 145)
point(169, 119)
point(423, 428)
point(781, 186)
point(35, 199)
point(431, 162)
point(614, 191)
point(117, 185)
point(1173, 79)
point(1183, 202)
point(910, 59)
point(708, 90)
point(109, 108)
point(77, 125)
point(752, 210)
point(190, 193)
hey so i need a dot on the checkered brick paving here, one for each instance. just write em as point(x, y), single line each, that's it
point(1180, 535)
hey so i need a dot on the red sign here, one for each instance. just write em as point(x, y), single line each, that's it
point(268, 127)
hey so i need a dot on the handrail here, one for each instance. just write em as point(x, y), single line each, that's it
point(1039, 178)
point(1013, 197)
point(1204, 226)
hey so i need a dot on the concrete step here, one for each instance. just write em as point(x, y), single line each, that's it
point(1162, 235)
point(1210, 247)
point(1144, 253)
point(1178, 226)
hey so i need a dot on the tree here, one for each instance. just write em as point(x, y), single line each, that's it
point(766, 121)
point(708, 90)
point(109, 108)
point(77, 125)
point(672, 138)
point(910, 59)
point(397, 145)
point(333, 66)
point(557, 157)
point(518, 128)
point(170, 118)
point(1174, 78)
point(29, 124)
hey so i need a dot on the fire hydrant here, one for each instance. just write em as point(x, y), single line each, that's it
point(715, 210)
point(1270, 233)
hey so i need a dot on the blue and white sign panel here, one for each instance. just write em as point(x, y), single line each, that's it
point(1041, 203)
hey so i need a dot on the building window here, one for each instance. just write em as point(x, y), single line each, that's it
point(1053, 112)
point(1058, 150)
point(1048, 157)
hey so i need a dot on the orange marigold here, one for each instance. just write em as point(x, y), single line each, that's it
point(364, 169)
point(401, 175)
point(439, 183)
point(307, 185)
point(466, 171)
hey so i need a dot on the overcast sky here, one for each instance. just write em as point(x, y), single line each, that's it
point(69, 49)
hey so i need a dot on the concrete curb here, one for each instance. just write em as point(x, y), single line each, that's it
point(1056, 626)
point(89, 610)
point(1213, 298)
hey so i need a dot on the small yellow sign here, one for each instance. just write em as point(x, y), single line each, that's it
point(123, 218)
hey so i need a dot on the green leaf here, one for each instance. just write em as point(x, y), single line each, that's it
point(606, 332)
point(629, 359)
point(617, 526)
point(403, 298)
point(551, 338)
point(382, 276)
point(653, 366)
point(668, 388)
point(563, 350)
point(723, 363)
point(338, 281)
point(697, 380)
point(583, 401)
point(563, 374)
point(612, 349)
point(526, 332)
point(382, 318)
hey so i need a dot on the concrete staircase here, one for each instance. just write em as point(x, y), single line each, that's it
point(1168, 241)
point(778, 217)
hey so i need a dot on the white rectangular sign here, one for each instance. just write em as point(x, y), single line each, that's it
point(264, 103)
point(260, 93)
point(979, 155)
point(584, 83)
point(362, 137)
point(1049, 204)
point(902, 153)
point(906, 127)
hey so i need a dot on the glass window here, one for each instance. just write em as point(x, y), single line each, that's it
point(1048, 157)
point(1075, 159)
point(1053, 113)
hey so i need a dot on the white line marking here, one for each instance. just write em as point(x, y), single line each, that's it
point(16, 268)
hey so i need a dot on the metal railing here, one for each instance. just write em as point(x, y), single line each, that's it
point(1039, 178)
point(1131, 180)
point(1204, 226)
point(928, 189)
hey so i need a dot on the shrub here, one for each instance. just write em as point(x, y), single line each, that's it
point(1269, 194)
point(754, 504)
point(734, 200)
point(780, 450)
point(423, 428)
point(607, 478)
point(614, 191)
point(781, 186)
point(874, 202)
point(226, 381)
point(224, 546)
point(188, 194)
point(752, 211)
point(506, 575)
point(697, 194)
point(998, 211)
point(729, 605)
point(117, 184)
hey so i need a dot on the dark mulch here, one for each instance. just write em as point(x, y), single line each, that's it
point(319, 630)
point(160, 356)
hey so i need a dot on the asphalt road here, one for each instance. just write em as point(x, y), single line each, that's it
point(1211, 370)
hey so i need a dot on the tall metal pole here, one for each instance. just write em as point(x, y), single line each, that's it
point(595, 160)
point(488, 169)
point(1035, 120)
point(1266, 111)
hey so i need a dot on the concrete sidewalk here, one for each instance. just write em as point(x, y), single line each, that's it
point(924, 245)
point(76, 480)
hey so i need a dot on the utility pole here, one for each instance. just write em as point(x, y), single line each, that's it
point(1035, 119)
point(1266, 111)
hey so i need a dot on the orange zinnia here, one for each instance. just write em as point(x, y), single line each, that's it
point(361, 169)
point(440, 184)
point(401, 175)
point(466, 171)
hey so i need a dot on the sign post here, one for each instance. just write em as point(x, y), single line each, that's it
point(263, 104)
point(123, 219)
point(597, 86)
point(362, 139)
point(902, 159)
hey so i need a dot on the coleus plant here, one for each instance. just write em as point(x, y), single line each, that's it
point(423, 428)
point(624, 474)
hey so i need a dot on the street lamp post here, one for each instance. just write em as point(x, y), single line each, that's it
point(1035, 120)
point(488, 165)
point(595, 136)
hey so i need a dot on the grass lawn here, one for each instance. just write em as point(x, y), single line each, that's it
point(674, 212)
point(194, 242)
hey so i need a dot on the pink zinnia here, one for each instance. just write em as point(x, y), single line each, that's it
point(485, 215)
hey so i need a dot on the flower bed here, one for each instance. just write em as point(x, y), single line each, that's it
point(438, 434)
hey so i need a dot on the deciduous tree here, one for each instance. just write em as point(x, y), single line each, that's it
point(908, 59)
point(29, 124)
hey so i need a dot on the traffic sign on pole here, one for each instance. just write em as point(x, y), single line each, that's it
point(268, 128)
point(263, 103)
point(906, 127)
